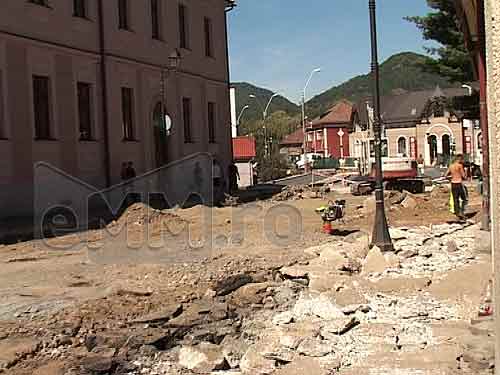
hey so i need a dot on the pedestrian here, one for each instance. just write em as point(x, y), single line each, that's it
point(123, 172)
point(125, 184)
point(234, 177)
point(218, 182)
point(130, 174)
point(130, 171)
point(255, 176)
point(421, 165)
point(457, 173)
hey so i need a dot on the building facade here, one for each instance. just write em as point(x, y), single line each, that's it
point(329, 134)
point(417, 125)
point(85, 85)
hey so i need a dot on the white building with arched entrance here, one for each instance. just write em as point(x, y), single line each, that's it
point(419, 125)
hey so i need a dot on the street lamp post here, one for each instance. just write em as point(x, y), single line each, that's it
point(381, 236)
point(468, 87)
point(317, 70)
point(241, 115)
point(264, 117)
point(173, 64)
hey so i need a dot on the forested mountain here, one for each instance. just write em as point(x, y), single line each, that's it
point(255, 109)
point(399, 72)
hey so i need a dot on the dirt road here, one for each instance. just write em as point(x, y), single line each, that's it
point(65, 309)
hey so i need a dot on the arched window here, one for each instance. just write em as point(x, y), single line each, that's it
point(432, 139)
point(480, 141)
point(402, 149)
point(446, 144)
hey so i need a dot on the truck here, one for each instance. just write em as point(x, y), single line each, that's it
point(399, 173)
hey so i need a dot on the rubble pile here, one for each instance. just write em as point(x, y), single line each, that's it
point(425, 251)
point(319, 314)
point(298, 192)
point(284, 323)
point(140, 214)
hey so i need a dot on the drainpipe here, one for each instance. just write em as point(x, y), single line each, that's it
point(483, 108)
point(104, 94)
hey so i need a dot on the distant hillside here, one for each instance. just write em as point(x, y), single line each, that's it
point(400, 71)
point(254, 112)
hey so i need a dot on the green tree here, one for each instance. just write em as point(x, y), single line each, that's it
point(441, 25)
point(278, 125)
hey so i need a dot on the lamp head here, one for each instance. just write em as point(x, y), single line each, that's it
point(174, 59)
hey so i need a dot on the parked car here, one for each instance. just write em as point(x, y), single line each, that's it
point(310, 158)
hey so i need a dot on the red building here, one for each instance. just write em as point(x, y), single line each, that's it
point(329, 134)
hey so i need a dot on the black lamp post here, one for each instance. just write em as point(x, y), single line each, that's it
point(174, 60)
point(381, 236)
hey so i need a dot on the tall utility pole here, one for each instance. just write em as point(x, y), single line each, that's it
point(304, 153)
point(381, 236)
point(264, 116)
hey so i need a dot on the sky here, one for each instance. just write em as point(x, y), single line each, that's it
point(277, 43)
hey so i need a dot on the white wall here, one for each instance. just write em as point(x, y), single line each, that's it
point(246, 174)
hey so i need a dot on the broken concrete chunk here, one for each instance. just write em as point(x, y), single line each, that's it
point(232, 283)
point(203, 358)
point(295, 272)
point(167, 313)
point(409, 202)
point(352, 309)
point(315, 347)
point(377, 262)
point(392, 260)
point(283, 318)
point(311, 305)
point(338, 326)
point(254, 363)
point(398, 234)
point(272, 347)
point(303, 366)
point(396, 197)
point(357, 238)
point(251, 294)
point(233, 349)
point(451, 246)
point(98, 365)
point(333, 258)
point(351, 266)
point(408, 253)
